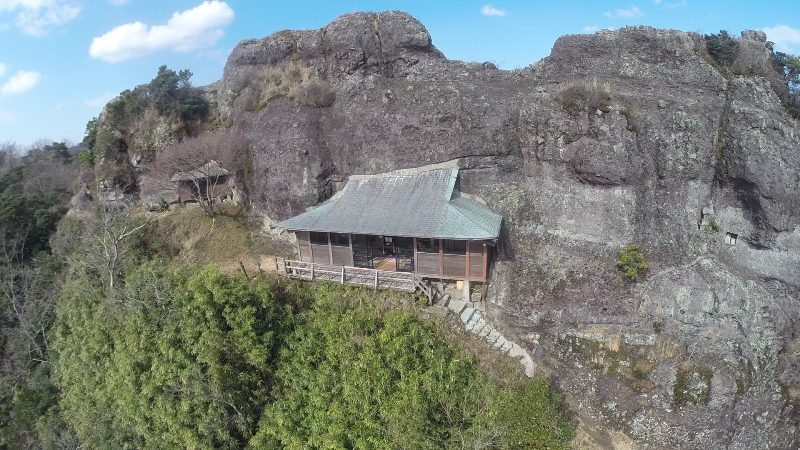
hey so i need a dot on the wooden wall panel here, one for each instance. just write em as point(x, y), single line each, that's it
point(342, 256)
point(304, 246)
point(322, 253)
point(428, 264)
point(455, 266)
point(476, 254)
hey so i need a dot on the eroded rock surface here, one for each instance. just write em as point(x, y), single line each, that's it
point(616, 137)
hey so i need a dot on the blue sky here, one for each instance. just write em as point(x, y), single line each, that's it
point(61, 60)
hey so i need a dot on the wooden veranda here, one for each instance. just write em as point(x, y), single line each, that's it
point(375, 278)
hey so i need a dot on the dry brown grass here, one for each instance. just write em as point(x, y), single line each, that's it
point(301, 84)
point(200, 239)
point(586, 96)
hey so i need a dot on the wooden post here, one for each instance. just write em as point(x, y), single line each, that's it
point(312, 271)
point(330, 250)
point(414, 243)
point(350, 241)
point(441, 257)
point(376, 279)
point(342, 274)
point(466, 268)
point(485, 263)
point(277, 268)
point(241, 264)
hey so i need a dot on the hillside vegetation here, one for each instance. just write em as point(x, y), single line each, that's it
point(209, 360)
point(154, 348)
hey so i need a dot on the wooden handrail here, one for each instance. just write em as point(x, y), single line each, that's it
point(331, 269)
point(358, 275)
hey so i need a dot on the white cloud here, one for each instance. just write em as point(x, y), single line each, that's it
point(625, 13)
point(6, 117)
point(60, 106)
point(38, 17)
point(99, 102)
point(118, 2)
point(185, 31)
point(786, 38)
point(3, 69)
point(490, 10)
point(589, 29)
point(680, 4)
point(21, 82)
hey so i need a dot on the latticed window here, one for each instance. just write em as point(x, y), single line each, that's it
point(455, 247)
point(428, 245)
point(340, 239)
point(319, 238)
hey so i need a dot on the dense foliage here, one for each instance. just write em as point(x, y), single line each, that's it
point(34, 190)
point(170, 94)
point(354, 375)
point(722, 48)
point(177, 361)
point(207, 360)
point(790, 66)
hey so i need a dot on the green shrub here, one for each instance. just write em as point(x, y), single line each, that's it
point(789, 66)
point(722, 48)
point(631, 261)
point(86, 158)
point(692, 386)
point(713, 225)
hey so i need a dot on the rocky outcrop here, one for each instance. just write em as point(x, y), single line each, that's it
point(616, 137)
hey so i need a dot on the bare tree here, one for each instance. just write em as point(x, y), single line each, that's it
point(111, 233)
point(9, 156)
point(27, 299)
point(201, 164)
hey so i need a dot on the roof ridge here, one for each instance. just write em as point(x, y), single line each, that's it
point(411, 171)
point(468, 217)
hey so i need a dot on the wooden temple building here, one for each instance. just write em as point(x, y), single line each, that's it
point(408, 224)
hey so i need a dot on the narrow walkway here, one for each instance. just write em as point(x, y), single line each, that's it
point(475, 323)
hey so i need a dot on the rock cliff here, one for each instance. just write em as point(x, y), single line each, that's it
point(627, 136)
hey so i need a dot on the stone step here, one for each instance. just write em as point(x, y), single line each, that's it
point(492, 337)
point(457, 306)
point(524, 358)
point(501, 341)
point(474, 322)
point(472, 318)
point(466, 314)
point(479, 326)
point(516, 351)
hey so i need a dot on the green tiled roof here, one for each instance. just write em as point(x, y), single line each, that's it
point(418, 202)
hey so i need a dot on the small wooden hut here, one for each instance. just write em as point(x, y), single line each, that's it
point(208, 180)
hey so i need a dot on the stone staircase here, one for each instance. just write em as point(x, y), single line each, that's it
point(475, 323)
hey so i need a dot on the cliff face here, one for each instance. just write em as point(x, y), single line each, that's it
point(617, 137)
